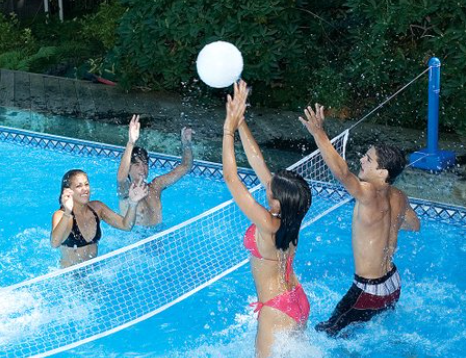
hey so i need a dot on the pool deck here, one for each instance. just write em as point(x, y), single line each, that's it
point(65, 96)
point(167, 112)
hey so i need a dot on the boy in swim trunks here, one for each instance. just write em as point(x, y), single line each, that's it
point(134, 167)
point(380, 211)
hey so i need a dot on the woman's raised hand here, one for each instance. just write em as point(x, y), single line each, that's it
point(67, 200)
point(134, 126)
point(236, 107)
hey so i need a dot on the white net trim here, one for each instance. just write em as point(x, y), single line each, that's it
point(69, 307)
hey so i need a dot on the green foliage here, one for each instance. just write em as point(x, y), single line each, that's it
point(17, 46)
point(44, 44)
point(393, 41)
point(10, 33)
point(347, 54)
point(159, 42)
point(55, 32)
point(18, 60)
point(101, 26)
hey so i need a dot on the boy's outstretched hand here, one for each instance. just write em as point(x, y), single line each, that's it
point(314, 121)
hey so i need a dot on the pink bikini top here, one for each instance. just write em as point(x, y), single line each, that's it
point(249, 242)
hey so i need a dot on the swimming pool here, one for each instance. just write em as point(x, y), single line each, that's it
point(429, 320)
point(154, 136)
point(216, 322)
point(31, 178)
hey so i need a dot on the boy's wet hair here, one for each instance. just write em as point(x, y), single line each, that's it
point(390, 158)
point(139, 154)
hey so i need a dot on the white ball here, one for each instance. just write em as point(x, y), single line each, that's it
point(219, 64)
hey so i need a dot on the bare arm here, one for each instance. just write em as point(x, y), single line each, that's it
point(314, 123)
point(125, 162)
point(250, 207)
point(113, 219)
point(62, 220)
point(137, 192)
point(254, 154)
point(411, 221)
point(62, 223)
point(185, 166)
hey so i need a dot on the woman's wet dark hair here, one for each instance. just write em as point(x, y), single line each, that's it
point(66, 180)
point(295, 197)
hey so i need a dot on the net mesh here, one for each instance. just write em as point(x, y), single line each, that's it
point(69, 307)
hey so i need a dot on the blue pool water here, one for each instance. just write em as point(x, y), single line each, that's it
point(30, 188)
point(216, 322)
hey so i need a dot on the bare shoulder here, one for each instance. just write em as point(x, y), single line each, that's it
point(97, 206)
point(368, 194)
point(57, 213)
point(398, 200)
point(156, 184)
point(56, 217)
point(397, 194)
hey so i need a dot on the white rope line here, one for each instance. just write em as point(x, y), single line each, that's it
point(391, 97)
point(417, 160)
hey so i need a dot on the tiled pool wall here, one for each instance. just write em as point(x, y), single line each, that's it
point(212, 171)
point(80, 147)
point(439, 211)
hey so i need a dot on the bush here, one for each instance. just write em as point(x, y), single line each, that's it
point(347, 54)
point(159, 42)
point(351, 54)
point(16, 44)
point(100, 27)
point(9, 33)
point(47, 45)
point(393, 43)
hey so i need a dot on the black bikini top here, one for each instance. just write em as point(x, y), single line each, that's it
point(76, 239)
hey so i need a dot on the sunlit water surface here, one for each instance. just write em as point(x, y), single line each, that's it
point(429, 320)
point(217, 322)
point(30, 189)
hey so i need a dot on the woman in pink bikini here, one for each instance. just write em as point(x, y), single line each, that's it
point(273, 237)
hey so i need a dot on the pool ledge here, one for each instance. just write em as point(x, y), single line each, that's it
point(423, 208)
point(96, 149)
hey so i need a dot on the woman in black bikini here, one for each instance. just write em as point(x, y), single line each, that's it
point(76, 225)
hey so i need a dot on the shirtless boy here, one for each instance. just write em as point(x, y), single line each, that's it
point(134, 167)
point(380, 211)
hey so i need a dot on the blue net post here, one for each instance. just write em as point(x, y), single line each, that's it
point(431, 158)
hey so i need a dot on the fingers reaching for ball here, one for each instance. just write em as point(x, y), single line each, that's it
point(313, 120)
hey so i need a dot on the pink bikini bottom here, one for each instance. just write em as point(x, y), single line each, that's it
point(294, 303)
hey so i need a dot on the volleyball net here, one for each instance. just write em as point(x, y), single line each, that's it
point(79, 304)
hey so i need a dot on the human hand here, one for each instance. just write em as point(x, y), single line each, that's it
point(67, 200)
point(134, 126)
point(314, 121)
point(138, 191)
point(236, 107)
point(187, 135)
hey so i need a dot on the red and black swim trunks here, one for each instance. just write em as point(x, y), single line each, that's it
point(365, 299)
